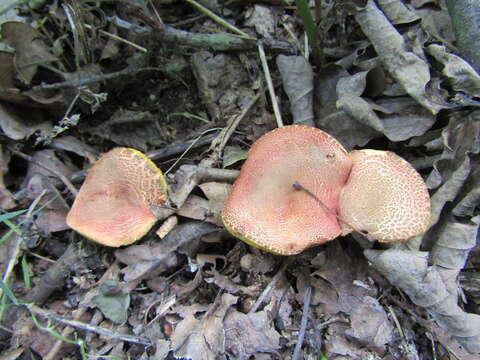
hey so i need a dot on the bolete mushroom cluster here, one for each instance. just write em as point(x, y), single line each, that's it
point(113, 206)
point(374, 192)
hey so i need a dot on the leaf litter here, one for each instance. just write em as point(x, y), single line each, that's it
point(390, 78)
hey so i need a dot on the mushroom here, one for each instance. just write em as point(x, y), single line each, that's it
point(265, 210)
point(384, 197)
point(113, 204)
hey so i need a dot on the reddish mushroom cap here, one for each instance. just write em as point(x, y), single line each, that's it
point(263, 208)
point(384, 196)
point(113, 205)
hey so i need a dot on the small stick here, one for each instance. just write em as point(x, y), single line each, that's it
point(221, 141)
point(188, 149)
point(16, 242)
point(271, 90)
point(219, 20)
point(77, 315)
point(303, 324)
point(87, 327)
point(118, 38)
point(297, 186)
point(269, 287)
point(62, 177)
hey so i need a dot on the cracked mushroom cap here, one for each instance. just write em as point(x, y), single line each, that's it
point(385, 197)
point(264, 210)
point(113, 205)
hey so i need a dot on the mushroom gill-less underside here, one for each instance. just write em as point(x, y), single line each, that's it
point(113, 204)
point(264, 209)
point(376, 192)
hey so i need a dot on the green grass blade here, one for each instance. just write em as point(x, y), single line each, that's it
point(8, 293)
point(26, 272)
point(309, 26)
point(11, 215)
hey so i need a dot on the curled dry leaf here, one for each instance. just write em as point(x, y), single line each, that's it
point(336, 122)
point(462, 75)
point(410, 70)
point(227, 284)
point(469, 197)
point(199, 208)
point(349, 90)
point(455, 240)
point(76, 146)
point(20, 123)
point(30, 50)
point(249, 334)
point(451, 173)
point(425, 286)
point(397, 12)
point(403, 118)
point(233, 154)
point(141, 258)
point(436, 21)
point(204, 338)
point(113, 306)
point(297, 80)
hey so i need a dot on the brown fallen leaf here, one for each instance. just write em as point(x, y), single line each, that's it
point(226, 283)
point(405, 66)
point(202, 339)
point(30, 50)
point(249, 334)
point(198, 208)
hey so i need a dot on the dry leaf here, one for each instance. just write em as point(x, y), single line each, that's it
point(411, 71)
point(425, 286)
point(202, 339)
point(397, 12)
point(248, 334)
point(297, 79)
point(30, 50)
point(461, 74)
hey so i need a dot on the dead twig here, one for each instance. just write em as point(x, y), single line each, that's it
point(62, 177)
point(193, 176)
point(303, 325)
point(217, 42)
point(219, 20)
point(176, 149)
point(269, 287)
point(271, 90)
point(77, 314)
point(160, 154)
point(34, 309)
point(221, 141)
point(54, 277)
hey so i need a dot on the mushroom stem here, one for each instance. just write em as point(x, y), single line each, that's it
point(299, 187)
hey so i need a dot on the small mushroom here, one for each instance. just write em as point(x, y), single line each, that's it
point(265, 210)
point(384, 197)
point(113, 205)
